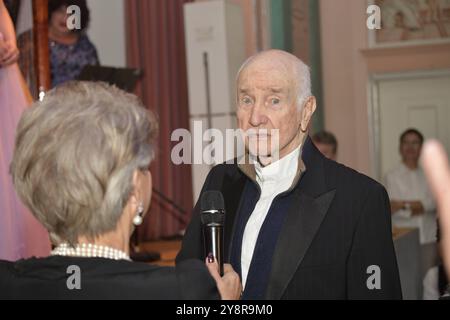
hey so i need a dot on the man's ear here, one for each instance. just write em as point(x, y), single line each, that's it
point(308, 110)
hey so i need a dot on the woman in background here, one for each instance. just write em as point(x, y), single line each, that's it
point(70, 50)
point(21, 236)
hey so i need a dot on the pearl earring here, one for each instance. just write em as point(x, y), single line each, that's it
point(137, 220)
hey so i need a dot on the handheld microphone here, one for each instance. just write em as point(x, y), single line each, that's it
point(213, 220)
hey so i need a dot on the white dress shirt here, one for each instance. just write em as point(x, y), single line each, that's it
point(404, 184)
point(273, 180)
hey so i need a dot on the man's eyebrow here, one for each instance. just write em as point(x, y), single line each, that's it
point(276, 90)
point(272, 90)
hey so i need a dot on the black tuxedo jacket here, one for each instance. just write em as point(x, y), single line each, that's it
point(336, 241)
point(46, 279)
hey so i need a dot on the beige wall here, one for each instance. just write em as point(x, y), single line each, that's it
point(347, 63)
point(300, 30)
point(257, 36)
point(107, 18)
point(249, 22)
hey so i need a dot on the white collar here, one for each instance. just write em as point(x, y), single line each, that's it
point(285, 168)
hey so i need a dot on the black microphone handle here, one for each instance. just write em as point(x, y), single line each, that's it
point(213, 236)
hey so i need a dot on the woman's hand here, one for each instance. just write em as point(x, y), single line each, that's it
point(229, 286)
point(9, 54)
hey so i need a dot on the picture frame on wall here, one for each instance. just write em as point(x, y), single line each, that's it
point(411, 22)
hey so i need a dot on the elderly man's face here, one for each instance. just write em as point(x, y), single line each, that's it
point(267, 100)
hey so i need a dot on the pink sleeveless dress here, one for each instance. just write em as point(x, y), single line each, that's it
point(21, 235)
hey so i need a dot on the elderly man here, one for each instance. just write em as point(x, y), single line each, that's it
point(298, 226)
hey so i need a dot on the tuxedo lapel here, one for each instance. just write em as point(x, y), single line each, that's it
point(310, 202)
point(232, 190)
point(302, 223)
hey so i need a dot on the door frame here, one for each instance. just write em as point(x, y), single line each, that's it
point(374, 108)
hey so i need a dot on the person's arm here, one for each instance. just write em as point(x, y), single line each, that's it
point(437, 170)
point(6, 24)
point(416, 206)
point(197, 281)
point(396, 205)
point(9, 53)
point(410, 207)
point(372, 271)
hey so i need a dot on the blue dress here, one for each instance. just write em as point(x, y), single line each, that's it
point(67, 61)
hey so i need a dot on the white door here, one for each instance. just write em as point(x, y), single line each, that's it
point(420, 101)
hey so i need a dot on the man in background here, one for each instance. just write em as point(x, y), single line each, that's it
point(412, 204)
point(326, 143)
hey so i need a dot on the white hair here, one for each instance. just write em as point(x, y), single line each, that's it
point(303, 83)
point(302, 74)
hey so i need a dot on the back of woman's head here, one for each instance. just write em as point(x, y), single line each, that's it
point(76, 152)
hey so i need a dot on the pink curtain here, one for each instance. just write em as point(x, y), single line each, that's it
point(155, 35)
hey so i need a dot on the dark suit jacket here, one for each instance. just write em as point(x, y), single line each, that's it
point(104, 279)
point(338, 225)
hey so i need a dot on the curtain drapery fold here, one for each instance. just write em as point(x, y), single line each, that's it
point(156, 45)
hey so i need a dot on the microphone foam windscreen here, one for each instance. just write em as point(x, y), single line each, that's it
point(212, 200)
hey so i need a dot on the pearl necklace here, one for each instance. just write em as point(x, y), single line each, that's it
point(90, 251)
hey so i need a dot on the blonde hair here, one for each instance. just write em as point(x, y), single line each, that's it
point(75, 155)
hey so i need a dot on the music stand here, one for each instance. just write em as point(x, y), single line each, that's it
point(123, 78)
